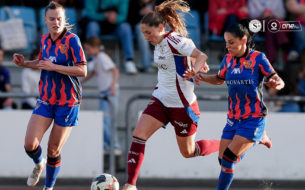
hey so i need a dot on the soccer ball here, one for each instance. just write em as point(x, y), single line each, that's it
point(105, 182)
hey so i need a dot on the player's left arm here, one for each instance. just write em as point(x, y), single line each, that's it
point(273, 79)
point(276, 82)
point(78, 70)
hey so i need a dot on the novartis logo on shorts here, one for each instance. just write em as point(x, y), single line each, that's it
point(274, 25)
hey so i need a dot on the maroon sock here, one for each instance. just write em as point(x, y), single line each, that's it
point(135, 159)
point(206, 147)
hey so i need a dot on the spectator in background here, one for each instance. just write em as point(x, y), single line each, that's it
point(223, 13)
point(270, 10)
point(29, 83)
point(137, 9)
point(297, 8)
point(5, 86)
point(109, 17)
point(107, 80)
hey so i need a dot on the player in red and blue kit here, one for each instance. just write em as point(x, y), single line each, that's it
point(244, 71)
point(61, 61)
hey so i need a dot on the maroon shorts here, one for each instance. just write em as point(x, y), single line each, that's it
point(184, 120)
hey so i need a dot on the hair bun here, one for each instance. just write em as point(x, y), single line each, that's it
point(245, 23)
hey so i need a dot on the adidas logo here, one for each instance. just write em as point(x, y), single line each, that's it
point(183, 132)
point(132, 161)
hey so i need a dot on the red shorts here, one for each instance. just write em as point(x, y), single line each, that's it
point(185, 120)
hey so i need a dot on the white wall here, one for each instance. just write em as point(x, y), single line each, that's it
point(284, 161)
point(81, 155)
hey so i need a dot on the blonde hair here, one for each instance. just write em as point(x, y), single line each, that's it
point(166, 13)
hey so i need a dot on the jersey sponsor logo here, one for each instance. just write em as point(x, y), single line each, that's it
point(161, 58)
point(184, 131)
point(52, 58)
point(235, 71)
point(62, 48)
point(241, 82)
point(184, 125)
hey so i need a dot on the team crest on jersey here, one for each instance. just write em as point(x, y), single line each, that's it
point(247, 64)
point(62, 48)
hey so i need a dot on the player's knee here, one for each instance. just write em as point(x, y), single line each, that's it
point(187, 153)
point(30, 146)
point(140, 135)
point(229, 155)
point(53, 151)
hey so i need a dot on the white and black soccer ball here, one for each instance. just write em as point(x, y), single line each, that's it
point(105, 182)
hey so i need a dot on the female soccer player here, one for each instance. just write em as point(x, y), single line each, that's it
point(173, 99)
point(61, 60)
point(243, 70)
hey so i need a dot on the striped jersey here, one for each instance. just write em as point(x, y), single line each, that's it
point(56, 88)
point(171, 56)
point(244, 77)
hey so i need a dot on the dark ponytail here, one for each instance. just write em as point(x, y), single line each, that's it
point(241, 29)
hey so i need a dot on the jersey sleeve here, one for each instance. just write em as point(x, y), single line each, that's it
point(78, 54)
point(265, 66)
point(223, 68)
point(182, 45)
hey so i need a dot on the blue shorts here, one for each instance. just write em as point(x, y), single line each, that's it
point(63, 115)
point(251, 128)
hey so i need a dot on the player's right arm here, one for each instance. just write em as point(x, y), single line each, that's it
point(18, 59)
point(210, 79)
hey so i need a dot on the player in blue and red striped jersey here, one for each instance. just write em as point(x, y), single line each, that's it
point(244, 71)
point(61, 61)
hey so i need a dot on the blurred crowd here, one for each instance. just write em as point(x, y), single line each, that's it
point(121, 19)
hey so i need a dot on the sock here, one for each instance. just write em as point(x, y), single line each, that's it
point(53, 167)
point(206, 147)
point(135, 159)
point(228, 161)
point(35, 154)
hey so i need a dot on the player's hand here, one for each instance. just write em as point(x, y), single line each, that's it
point(18, 59)
point(188, 74)
point(198, 78)
point(205, 68)
point(272, 83)
point(46, 64)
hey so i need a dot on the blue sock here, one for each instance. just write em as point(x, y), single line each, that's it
point(52, 170)
point(227, 170)
point(35, 154)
